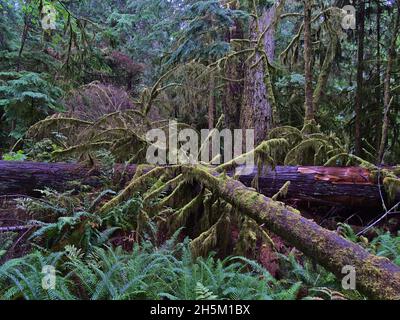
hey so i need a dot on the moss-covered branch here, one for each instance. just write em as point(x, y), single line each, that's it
point(375, 276)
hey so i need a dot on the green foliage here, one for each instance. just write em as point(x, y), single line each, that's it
point(387, 245)
point(61, 220)
point(52, 203)
point(14, 156)
point(42, 150)
point(97, 55)
point(202, 293)
point(6, 241)
point(22, 278)
point(79, 229)
point(125, 214)
point(148, 272)
point(8, 19)
point(202, 39)
point(119, 135)
point(25, 98)
point(303, 270)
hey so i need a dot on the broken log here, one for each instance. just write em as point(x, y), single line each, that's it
point(376, 277)
point(351, 186)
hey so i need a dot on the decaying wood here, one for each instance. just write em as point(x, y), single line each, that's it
point(351, 185)
point(375, 276)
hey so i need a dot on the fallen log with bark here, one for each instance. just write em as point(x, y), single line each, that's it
point(375, 276)
point(351, 186)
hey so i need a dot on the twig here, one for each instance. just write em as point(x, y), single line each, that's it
point(380, 219)
point(380, 190)
point(15, 228)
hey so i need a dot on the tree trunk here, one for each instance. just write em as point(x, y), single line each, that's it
point(351, 186)
point(375, 276)
point(386, 87)
point(360, 70)
point(233, 89)
point(256, 110)
point(211, 102)
point(325, 71)
point(308, 104)
point(378, 90)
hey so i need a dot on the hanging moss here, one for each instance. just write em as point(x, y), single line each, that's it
point(310, 127)
point(392, 186)
point(282, 191)
point(179, 219)
point(305, 151)
point(246, 243)
point(292, 135)
point(169, 200)
point(136, 184)
point(340, 158)
point(159, 187)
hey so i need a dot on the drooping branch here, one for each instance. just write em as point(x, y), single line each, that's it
point(375, 276)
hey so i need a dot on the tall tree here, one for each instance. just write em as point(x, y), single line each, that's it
point(360, 74)
point(387, 97)
point(258, 99)
point(378, 89)
point(234, 74)
point(308, 104)
point(211, 102)
point(331, 26)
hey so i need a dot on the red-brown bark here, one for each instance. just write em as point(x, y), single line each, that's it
point(375, 276)
point(352, 186)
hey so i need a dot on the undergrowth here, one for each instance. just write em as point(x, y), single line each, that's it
point(146, 272)
point(79, 244)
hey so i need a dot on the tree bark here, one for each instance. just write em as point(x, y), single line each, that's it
point(375, 276)
point(211, 103)
point(233, 89)
point(257, 110)
point(308, 104)
point(360, 78)
point(378, 90)
point(325, 71)
point(386, 87)
point(351, 186)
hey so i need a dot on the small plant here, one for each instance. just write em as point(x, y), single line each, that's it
point(125, 214)
point(387, 245)
point(14, 156)
point(300, 269)
point(6, 241)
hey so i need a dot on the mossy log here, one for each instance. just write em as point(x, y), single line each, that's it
point(376, 276)
point(352, 186)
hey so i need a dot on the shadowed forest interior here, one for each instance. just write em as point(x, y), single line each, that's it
point(83, 82)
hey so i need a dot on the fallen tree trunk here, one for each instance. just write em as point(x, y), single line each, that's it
point(351, 186)
point(375, 276)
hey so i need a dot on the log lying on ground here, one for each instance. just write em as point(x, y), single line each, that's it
point(375, 276)
point(351, 186)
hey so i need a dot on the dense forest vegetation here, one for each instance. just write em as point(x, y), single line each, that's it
point(84, 215)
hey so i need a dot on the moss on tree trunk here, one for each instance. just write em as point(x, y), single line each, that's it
point(376, 276)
